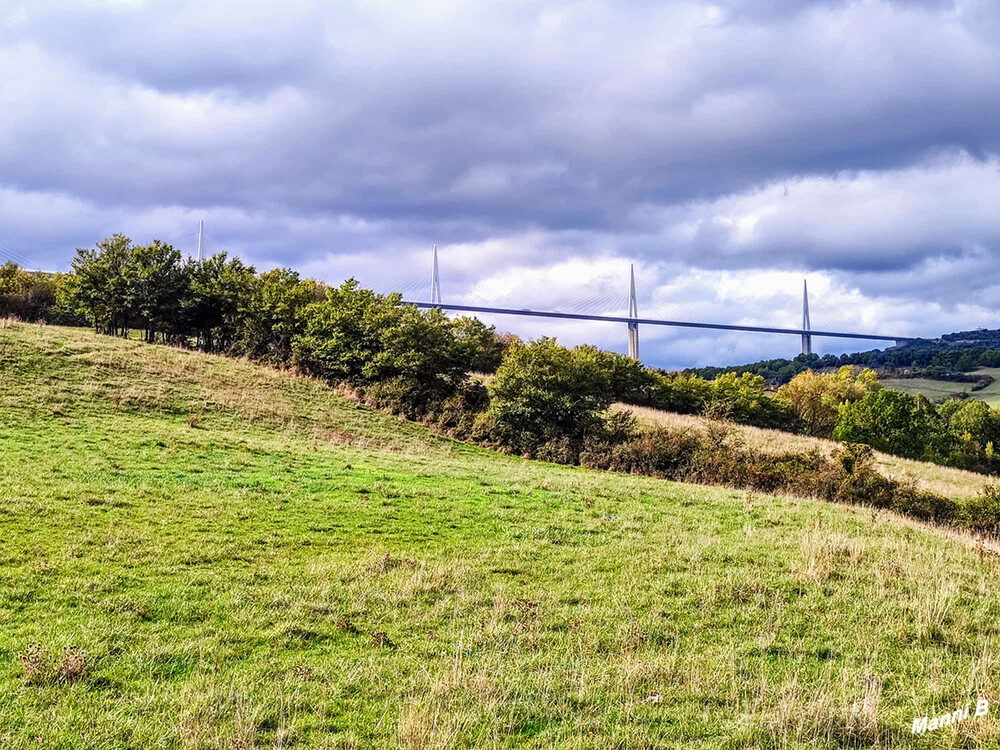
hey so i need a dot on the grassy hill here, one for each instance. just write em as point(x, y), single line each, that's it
point(938, 389)
point(242, 558)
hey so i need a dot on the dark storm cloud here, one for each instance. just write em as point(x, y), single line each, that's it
point(491, 116)
point(854, 139)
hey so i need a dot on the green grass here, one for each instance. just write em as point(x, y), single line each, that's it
point(246, 559)
point(940, 389)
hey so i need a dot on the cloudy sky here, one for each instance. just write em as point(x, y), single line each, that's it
point(728, 149)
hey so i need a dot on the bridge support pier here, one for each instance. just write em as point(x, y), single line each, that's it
point(633, 312)
point(807, 340)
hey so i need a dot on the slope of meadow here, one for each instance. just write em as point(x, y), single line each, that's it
point(242, 558)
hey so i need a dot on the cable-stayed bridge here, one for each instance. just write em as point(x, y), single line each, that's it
point(608, 305)
point(596, 309)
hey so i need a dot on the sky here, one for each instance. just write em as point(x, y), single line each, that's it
point(728, 150)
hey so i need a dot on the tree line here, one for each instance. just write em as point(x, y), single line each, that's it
point(951, 357)
point(544, 400)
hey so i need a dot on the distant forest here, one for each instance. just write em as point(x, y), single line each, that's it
point(950, 357)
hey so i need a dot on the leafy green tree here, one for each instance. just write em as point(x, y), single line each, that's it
point(628, 380)
point(28, 296)
point(744, 399)
point(975, 418)
point(887, 421)
point(990, 358)
point(681, 393)
point(974, 432)
point(968, 362)
point(157, 284)
point(10, 278)
point(544, 393)
point(362, 338)
point(102, 288)
point(816, 398)
point(273, 314)
point(212, 310)
point(482, 347)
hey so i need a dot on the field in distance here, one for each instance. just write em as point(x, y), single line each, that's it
point(939, 389)
point(202, 553)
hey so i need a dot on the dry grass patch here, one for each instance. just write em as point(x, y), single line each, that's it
point(943, 480)
point(825, 553)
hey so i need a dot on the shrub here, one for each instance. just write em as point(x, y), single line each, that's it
point(747, 402)
point(273, 314)
point(544, 392)
point(816, 398)
point(404, 358)
point(658, 452)
point(982, 513)
point(481, 347)
point(459, 411)
point(558, 451)
point(628, 380)
point(680, 393)
point(927, 506)
point(887, 421)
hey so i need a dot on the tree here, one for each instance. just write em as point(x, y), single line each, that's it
point(887, 421)
point(272, 314)
point(482, 347)
point(681, 393)
point(157, 284)
point(628, 380)
point(212, 310)
point(817, 398)
point(544, 392)
point(744, 398)
point(102, 284)
point(975, 428)
point(27, 296)
point(362, 338)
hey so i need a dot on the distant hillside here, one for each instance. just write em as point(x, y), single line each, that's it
point(960, 352)
point(982, 384)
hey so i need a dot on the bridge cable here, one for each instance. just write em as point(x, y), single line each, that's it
point(18, 258)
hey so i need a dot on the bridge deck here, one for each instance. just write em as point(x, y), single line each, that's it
point(654, 322)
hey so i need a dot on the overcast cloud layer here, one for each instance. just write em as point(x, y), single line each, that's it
point(728, 149)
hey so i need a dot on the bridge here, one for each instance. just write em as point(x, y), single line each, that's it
point(632, 320)
point(193, 244)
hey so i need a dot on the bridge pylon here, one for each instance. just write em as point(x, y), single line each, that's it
point(807, 340)
point(435, 280)
point(633, 312)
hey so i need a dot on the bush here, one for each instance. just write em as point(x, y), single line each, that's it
point(747, 402)
point(459, 412)
point(680, 393)
point(658, 452)
point(272, 314)
point(982, 513)
point(628, 380)
point(558, 451)
point(887, 421)
point(544, 392)
point(404, 359)
point(34, 297)
point(482, 348)
point(816, 398)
